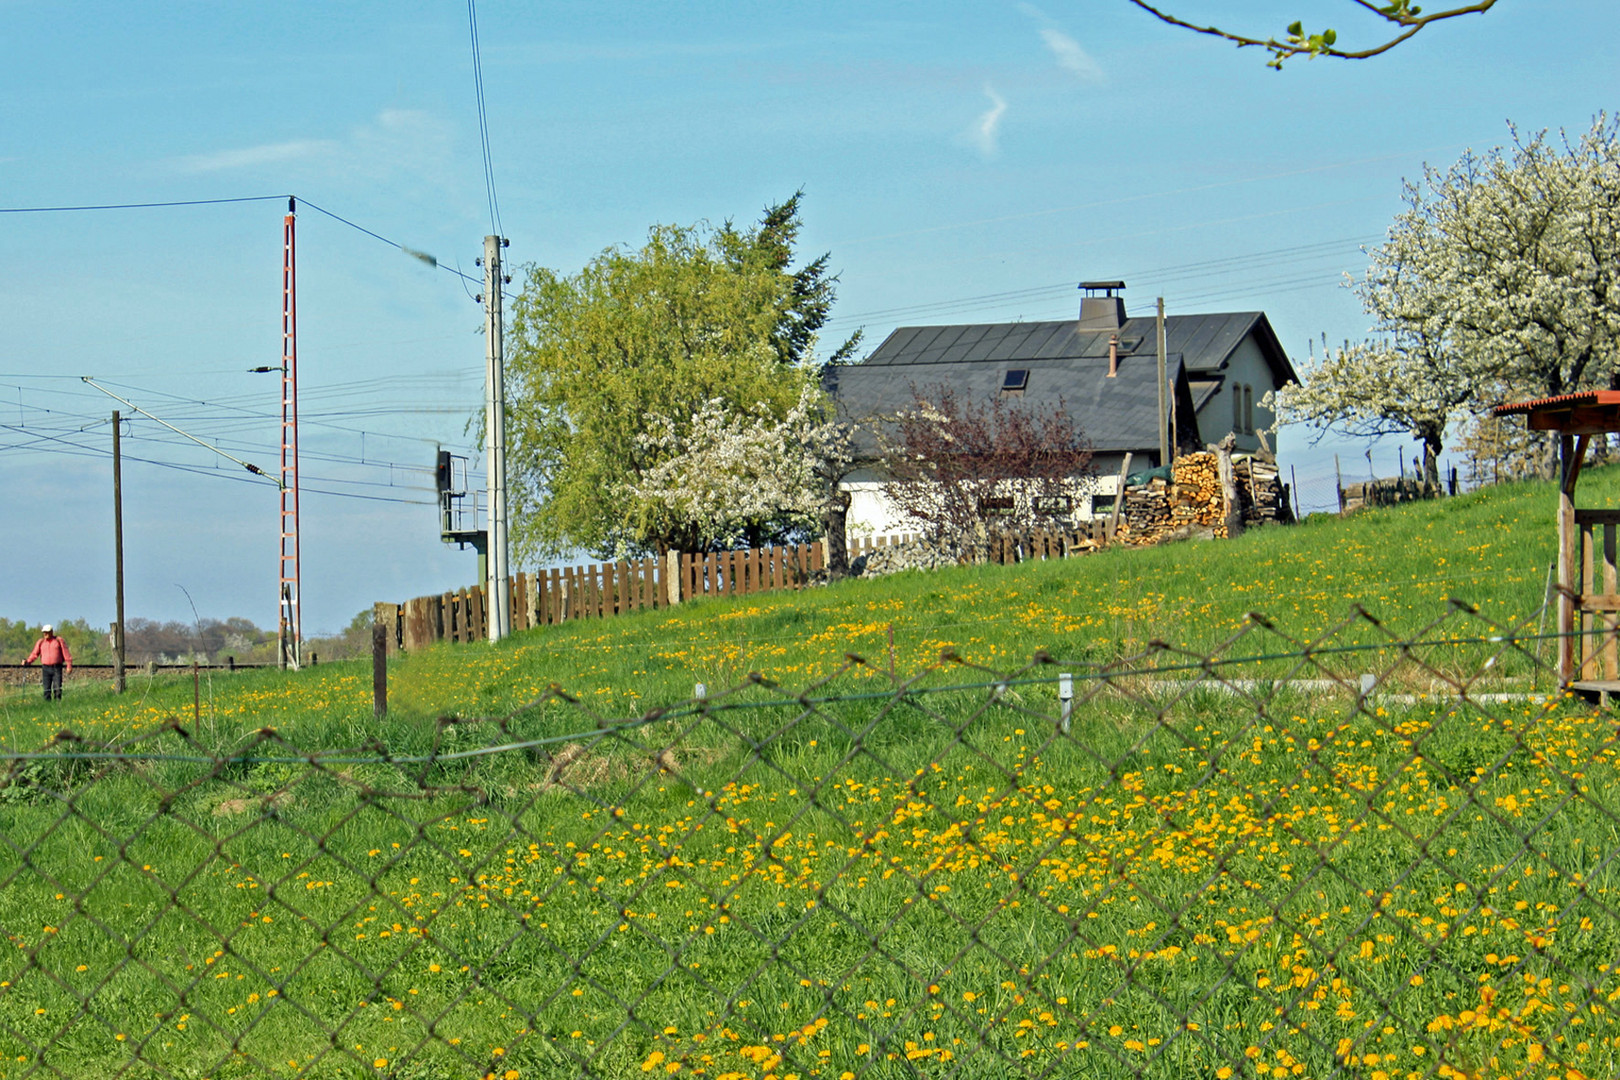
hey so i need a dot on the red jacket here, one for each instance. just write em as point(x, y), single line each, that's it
point(50, 651)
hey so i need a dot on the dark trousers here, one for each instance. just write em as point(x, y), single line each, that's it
point(52, 676)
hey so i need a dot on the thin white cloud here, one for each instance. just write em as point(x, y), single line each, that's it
point(1070, 56)
point(986, 131)
point(249, 156)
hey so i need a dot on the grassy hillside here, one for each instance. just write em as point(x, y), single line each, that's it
point(1491, 548)
point(1191, 884)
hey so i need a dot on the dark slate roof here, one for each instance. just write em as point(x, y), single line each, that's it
point(1115, 414)
point(1204, 341)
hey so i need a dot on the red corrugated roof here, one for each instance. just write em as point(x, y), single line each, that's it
point(1562, 401)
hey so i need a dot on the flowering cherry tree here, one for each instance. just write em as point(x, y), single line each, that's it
point(730, 476)
point(1501, 279)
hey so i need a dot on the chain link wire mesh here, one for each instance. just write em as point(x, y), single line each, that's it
point(1367, 855)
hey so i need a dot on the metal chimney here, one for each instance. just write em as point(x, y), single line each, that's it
point(1101, 308)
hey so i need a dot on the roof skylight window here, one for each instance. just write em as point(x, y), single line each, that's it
point(1015, 379)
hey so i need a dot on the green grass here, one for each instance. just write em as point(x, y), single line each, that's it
point(1491, 548)
point(884, 881)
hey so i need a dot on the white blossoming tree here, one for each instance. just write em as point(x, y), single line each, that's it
point(729, 476)
point(1501, 279)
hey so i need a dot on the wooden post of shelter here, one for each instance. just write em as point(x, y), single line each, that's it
point(1588, 660)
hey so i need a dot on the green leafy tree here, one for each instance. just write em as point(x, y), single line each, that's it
point(1400, 19)
point(648, 338)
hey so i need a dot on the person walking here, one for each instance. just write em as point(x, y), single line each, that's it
point(55, 661)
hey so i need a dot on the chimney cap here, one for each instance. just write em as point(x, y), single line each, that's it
point(1107, 286)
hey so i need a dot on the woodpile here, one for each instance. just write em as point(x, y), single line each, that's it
point(1192, 501)
point(1261, 493)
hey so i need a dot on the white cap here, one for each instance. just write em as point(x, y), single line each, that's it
point(47, 629)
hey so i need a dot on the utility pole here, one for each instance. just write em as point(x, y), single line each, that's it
point(289, 573)
point(118, 556)
point(1164, 395)
point(497, 589)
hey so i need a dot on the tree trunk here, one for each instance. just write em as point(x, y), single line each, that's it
point(1432, 445)
point(1552, 461)
point(836, 519)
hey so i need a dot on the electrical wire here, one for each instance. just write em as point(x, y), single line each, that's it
point(483, 122)
point(421, 256)
point(1151, 277)
point(412, 252)
point(135, 206)
point(73, 449)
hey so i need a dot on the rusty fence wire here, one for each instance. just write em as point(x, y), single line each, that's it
point(1369, 855)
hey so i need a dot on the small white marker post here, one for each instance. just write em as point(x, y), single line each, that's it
point(1065, 701)
point(700, 692)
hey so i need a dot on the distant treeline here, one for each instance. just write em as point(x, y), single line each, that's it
point(205, 641)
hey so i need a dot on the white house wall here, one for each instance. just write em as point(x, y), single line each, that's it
point(872, 514)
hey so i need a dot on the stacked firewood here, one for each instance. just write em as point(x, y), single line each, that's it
point(1260, 491)
point(1189, 502)
point(1198, 501)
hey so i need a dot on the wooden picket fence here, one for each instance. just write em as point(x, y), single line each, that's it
point(598, 591)
point(737, 573)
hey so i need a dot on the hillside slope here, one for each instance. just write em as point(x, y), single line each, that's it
point(1491, 548)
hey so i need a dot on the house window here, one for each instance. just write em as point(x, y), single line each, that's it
point(996, 506)
point(1248, 409)
point(1014, 382)
point(1237, 408)
point(1103, 504)
point(1053, 504)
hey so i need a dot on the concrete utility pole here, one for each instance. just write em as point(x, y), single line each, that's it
point(118, 556)
point(497, 588)
point(1164, 395)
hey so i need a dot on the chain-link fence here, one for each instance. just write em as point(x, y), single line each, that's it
point(1369, 855)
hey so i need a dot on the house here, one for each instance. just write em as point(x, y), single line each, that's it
point(1102, 367)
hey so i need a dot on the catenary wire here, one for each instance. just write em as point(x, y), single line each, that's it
point(483, 122)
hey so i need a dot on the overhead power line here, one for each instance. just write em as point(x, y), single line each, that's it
point(420, 256)
point(248, 465)
point(483, 121)
point(1224, 268)
point(136, 205)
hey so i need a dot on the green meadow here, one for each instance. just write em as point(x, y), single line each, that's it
point(548, 861)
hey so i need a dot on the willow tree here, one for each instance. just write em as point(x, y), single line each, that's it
point(697, 325)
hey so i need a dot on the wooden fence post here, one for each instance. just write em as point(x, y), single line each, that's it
point(387, 615)
point(379, 667)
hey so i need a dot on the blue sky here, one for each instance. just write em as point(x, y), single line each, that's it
point(961, 162)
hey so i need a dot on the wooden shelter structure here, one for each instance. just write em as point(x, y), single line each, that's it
point(1587, 586)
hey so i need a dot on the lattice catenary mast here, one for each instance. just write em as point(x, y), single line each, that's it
point(288, 603)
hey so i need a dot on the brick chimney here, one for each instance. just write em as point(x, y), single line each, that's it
point(1102, 308)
